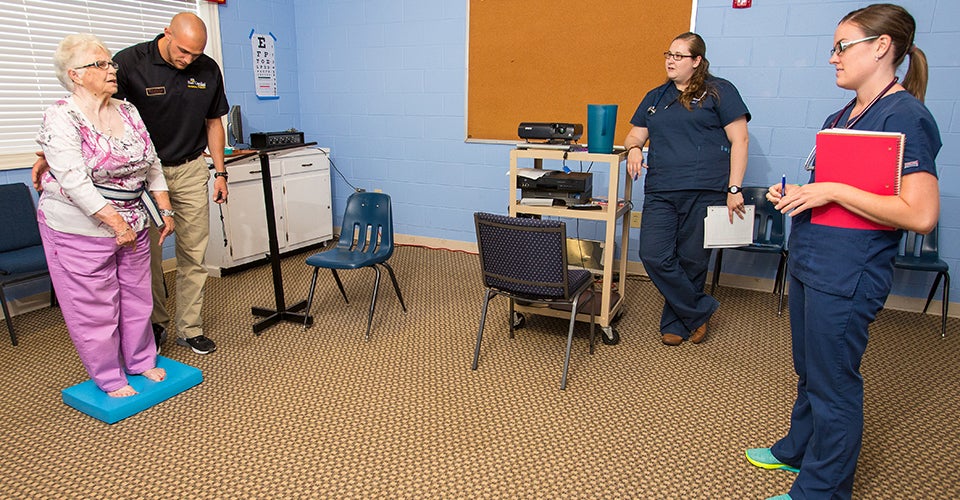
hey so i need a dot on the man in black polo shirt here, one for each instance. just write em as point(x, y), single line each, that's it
point(179, 93)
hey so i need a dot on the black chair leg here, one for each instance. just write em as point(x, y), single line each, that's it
point(783, 286)
point(6, 316)
point(591, 301)
point(373, 301)
point(488, 296)
point(933, 291)
point(946, 305)
point(336, 278)
point(716, 270)
point(313, 286)
point(396, 286)
point(510, 317)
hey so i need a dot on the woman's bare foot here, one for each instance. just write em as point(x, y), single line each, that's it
point(122, 392)
point(155, 374)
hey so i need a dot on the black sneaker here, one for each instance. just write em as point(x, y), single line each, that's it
point(199, 344)
point(159, 335)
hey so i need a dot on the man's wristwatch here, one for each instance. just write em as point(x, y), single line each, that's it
point(220, 174)
point(734, 189)
point(167, 213)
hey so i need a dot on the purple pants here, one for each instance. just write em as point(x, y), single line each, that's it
point(106, 300)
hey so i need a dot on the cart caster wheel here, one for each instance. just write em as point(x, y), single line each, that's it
point(519, 320)
point(610, 335)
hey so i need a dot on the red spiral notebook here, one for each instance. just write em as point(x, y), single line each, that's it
point(868, 160)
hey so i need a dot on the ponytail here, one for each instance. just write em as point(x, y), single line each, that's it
point(915, 80)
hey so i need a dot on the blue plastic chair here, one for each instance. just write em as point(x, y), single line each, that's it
point(525, 260)
point(366, 240)
point(768, 237)
point(919, 252)
point(21, 250)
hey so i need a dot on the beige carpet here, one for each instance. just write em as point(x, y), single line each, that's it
point(323, 414)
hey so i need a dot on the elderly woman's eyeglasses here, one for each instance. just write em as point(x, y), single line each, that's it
point(842, 46)
point(101, 65)
point(675, 57)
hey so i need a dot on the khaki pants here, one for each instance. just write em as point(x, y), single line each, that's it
point(190, 198)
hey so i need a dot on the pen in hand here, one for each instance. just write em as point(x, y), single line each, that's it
point(783, 185)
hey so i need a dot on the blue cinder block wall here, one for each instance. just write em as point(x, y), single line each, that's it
point(382, 83)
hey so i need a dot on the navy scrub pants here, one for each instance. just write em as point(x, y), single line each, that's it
point(671, 248)
point(829, 335)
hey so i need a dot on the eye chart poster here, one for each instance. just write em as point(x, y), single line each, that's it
point(264, 65)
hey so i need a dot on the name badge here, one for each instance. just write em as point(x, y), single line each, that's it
point(155, 91)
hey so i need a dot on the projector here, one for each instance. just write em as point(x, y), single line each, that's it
point(554, 132)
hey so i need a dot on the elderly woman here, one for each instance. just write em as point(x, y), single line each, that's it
point(94, 214)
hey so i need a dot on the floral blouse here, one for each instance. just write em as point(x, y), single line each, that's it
point(81, 156)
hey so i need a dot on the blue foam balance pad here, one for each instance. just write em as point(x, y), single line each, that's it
point(89, 399)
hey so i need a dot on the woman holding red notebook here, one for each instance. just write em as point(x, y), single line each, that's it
point(841, 276)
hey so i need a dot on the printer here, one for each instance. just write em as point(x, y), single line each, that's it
point(565, 188)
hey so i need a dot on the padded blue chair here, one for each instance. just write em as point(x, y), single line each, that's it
point(920, 252)
point(526, 259)
point(366, 240)
point(768, 237)
point(21, 251)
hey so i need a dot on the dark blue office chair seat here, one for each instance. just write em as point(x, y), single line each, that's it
point(768, 237)
point(21, 250)
point(525, 260)
point(366, 240)
point(919, 252)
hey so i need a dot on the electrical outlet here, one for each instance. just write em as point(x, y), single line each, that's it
point(635, 219)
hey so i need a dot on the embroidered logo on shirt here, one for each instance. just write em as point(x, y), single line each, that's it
point(153, 91)
point(192, 83)
point(914, 163)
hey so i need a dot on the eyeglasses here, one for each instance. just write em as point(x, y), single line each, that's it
point(842, 46)
point(101, 65)
point(675, 57)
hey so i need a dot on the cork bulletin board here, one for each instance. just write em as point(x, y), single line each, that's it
point(545, 60)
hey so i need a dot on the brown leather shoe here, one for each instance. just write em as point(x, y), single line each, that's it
point(671, 339)
point(699, 334)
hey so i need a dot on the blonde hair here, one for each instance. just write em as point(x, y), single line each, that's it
point(69, 50)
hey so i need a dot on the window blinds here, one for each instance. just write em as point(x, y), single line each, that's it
point(29, 33)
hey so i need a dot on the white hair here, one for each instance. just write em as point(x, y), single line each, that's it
point(69, 50)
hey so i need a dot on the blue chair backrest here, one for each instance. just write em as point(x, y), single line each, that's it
point(368, 225)
point(922, 246)
point(522, 255)
point(18, 218)
point(768, 227)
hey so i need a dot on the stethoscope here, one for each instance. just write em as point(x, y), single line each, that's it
point(810, 164)
point(652, 110)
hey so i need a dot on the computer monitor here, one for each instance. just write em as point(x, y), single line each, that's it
point(234, 127)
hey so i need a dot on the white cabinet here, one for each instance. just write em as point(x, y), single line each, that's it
point(300, 180)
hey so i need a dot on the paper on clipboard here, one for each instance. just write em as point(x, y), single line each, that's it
point(718, 232)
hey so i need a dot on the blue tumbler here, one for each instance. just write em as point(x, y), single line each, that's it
point(601, 127)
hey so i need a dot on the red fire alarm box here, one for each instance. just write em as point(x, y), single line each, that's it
point(742, 4)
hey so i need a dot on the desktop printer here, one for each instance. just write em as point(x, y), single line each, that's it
point(565, 188)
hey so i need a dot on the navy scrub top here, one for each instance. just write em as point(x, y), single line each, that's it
point(834, 259)
point(689, 149)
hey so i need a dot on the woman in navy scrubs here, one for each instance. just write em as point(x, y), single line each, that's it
point(841, 277)
point(697, 127)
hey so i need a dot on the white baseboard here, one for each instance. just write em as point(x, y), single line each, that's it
point(896, 302)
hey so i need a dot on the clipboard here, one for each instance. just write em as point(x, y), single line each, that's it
point(718, 232)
